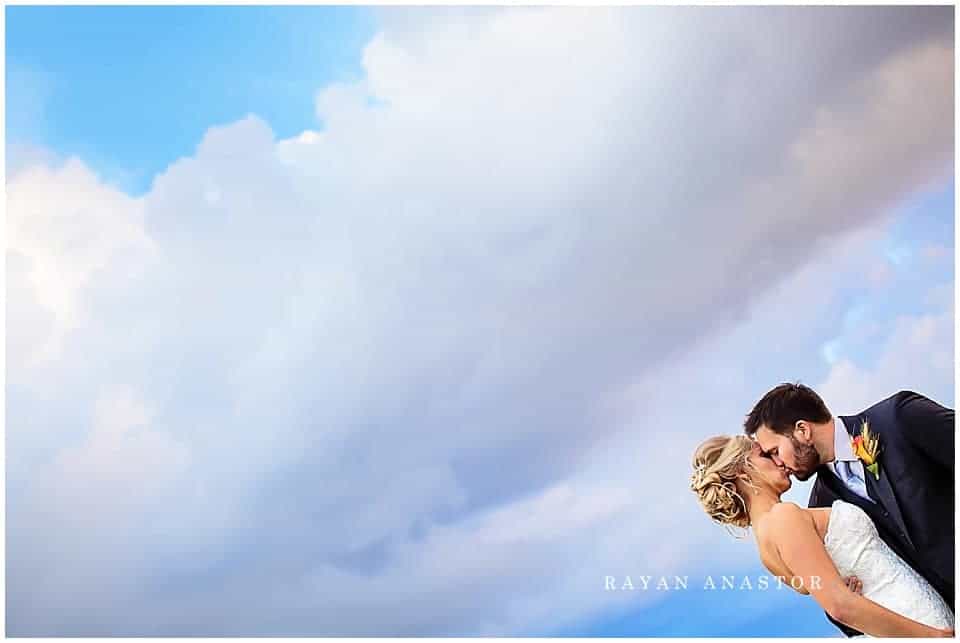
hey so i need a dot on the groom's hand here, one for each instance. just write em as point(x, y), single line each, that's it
point(853, 584)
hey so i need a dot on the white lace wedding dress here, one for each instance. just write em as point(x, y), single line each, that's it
point(856, 548)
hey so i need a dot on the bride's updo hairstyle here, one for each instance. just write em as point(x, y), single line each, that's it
point(717, 463)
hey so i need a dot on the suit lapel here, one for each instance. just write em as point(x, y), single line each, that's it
point(879, 488)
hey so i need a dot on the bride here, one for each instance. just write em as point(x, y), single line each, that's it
point(813, 548)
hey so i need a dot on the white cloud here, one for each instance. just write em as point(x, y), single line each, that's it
point(917, 355)
point(85, 521)
point(403, 344)
point(64, 230)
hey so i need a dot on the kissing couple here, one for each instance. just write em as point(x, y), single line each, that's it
point(875, 545)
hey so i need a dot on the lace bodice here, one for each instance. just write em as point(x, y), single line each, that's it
point(855, 546)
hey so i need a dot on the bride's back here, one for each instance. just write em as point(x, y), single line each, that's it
point(766, 533)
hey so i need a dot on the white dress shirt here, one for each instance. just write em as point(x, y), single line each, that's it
point(846, 465)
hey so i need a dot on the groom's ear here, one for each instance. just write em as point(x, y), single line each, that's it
point(802, 430)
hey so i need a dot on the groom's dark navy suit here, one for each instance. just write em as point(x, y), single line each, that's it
point(914, 494)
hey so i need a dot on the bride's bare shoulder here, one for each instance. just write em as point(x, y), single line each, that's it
point(785, 508)
point(784, 516)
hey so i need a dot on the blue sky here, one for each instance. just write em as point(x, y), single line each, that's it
point(916, 223)
point(131, 89)
point(716, 613)
point(319, 315)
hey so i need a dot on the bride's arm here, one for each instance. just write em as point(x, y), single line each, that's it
point(802, 551)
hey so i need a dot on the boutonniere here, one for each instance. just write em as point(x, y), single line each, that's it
point(866, 447)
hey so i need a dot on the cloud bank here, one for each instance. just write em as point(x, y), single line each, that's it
point(366, 380)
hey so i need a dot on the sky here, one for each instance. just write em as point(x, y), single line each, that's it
point(402, 321)
point(132, 89)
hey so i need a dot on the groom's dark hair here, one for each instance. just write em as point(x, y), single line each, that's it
point(783, 406)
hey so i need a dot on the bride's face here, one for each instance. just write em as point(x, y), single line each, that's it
point(799, 456)
point(766, 472)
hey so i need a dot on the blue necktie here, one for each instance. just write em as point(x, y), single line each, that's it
point(850, 476)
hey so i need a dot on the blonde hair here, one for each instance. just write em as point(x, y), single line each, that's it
point(717, 463)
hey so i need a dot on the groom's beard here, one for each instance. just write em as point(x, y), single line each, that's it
point(808, 459)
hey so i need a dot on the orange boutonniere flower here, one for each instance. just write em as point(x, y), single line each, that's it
point(866, 447)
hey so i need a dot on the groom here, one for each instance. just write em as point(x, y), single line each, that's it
point(908, 493)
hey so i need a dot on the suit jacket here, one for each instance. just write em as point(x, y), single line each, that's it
point(914, 509)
